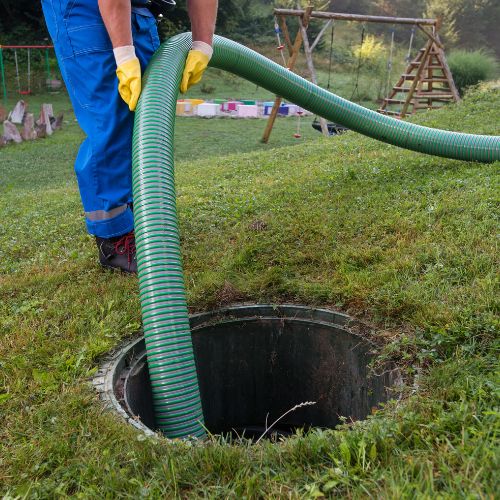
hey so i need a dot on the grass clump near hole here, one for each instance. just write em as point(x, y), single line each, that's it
point(404, 240)
point(471, 67)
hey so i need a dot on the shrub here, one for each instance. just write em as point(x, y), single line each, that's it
point(470, 68)
point(370, 51)
point(342, 55)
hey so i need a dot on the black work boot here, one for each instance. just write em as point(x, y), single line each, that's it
point(118, 252)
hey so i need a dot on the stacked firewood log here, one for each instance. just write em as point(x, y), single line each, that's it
point(19, 125)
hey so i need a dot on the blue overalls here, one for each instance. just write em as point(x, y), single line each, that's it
point(85, 56)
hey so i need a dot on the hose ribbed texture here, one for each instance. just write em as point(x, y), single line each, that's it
point(246, 63)
point(172, 369)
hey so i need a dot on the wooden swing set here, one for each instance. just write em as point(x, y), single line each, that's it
point(21, 88)
point(427, 82)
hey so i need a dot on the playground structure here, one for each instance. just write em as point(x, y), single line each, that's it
point(25, 88)
point(167, 335)
point(426, 82)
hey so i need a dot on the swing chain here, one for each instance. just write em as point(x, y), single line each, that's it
point(330, 61)
point(410, 45)
point(355, 90)
point(389, 63)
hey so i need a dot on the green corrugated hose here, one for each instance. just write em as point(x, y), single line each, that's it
point(172, 368)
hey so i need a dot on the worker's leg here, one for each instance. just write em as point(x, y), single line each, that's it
point(103, 164)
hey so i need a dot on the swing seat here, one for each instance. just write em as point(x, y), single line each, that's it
point(333, 128)
point(25, 92)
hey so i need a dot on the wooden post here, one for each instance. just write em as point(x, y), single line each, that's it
point(321, 33)
point(432, 36)
point(430, 86)
point(356, 17)
point(291, 64)
point(312, 70)
point(416, 80)
point(446, 70)
point(286, 35)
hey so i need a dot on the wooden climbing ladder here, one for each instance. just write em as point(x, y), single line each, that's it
point(427, 83)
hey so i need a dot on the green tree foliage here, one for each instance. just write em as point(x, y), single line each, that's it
point(468, 23)
point(21, 21)
point(401, 8)
point(293, 4)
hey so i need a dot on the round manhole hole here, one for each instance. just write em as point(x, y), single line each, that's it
point(254, 364)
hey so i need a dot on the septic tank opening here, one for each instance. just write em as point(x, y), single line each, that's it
point(255, 363)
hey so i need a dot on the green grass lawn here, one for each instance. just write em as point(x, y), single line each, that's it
point(402, 240)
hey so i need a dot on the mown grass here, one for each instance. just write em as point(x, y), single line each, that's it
point(403, 240)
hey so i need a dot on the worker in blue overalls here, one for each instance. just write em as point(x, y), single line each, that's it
point(102, 47)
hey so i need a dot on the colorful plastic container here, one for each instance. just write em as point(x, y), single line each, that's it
point(230, 106)
point(247, 111)
point(207, 109)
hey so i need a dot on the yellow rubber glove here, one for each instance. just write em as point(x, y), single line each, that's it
point(129, 81)
point(196, 64)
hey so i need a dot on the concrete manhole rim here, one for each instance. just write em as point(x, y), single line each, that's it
point(105, 380)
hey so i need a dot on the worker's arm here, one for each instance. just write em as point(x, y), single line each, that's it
point(117, 17)
point(203, 14)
